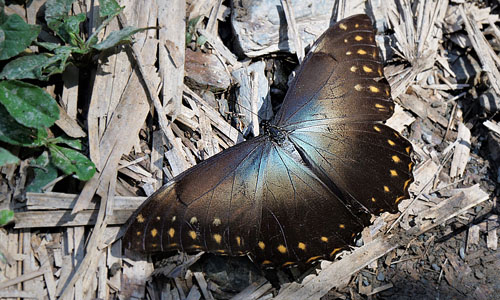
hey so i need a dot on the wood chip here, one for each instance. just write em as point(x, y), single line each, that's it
point(462, 152)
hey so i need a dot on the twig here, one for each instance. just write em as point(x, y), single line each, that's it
point(293, 30)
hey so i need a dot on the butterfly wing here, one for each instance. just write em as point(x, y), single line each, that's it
point(253, 198)
point(333, 111)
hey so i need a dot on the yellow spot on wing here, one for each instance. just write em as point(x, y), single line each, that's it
point(335, 251)
point(361, 52)
point(140, 218)
point(341, 226)
point(394, 173)
point(288, 263)
point(193, 220)
point(374, 89)
point(158, 218)
point(216, 222)
point(238, 241)
point(373, 199)
point(324, 239)
point(408, 149)
point(357, 25)
point(192, 234)
point(348, 53)
point(354, 69)
point(358, 38)
point(343, 26)
point(399, 199)
point(391, 142)
point(262, 246)
point(377, 129)
point(174, 218)
point(138, 233)
point(396, 159)
point(154, 232)
point(171, 232)
point(386, 189)
point(410, 166)
point(302, 246)
point(313, 259)
point(379, 106)
point(281, 249)
point(346, 41)
point(217, 238)
point(367, 69)
point(406, 184)
point(358, 87)
point(266, 262)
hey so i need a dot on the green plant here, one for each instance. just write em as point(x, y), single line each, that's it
point(192, 34)
point(26, 111)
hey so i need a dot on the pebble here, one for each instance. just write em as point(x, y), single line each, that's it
point(435, 267)
point(366, 282)
point(461, 252)
point(380, 276)
point(479, 274)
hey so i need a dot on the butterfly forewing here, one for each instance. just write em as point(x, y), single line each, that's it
point(304, 196)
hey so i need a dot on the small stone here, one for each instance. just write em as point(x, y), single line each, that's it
point(461, 252)
point(366, 282)
point(260, 25)
point(380, 276)
point(436, 268)
point(478, 274)
point(205, 70)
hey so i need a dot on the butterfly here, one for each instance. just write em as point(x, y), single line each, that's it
point(305, 188)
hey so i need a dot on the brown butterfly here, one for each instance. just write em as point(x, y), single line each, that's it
point(304, 189)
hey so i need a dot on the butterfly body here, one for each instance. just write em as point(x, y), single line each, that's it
point(305, 188)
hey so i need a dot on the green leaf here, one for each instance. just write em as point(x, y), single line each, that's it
point(56, 11)
point(48, 46)
point(191, 27)
point(64, 139)
point(189, 37)
point(7, 158)
point(28, 104)
point(108, 8)
point(116, 37)
point(6, 216)
point(25, 67)
point(201, 40)
point(70, 29)
point(38, 66)
point(72, 162)
point(44, 173)
point(14, 133)
point(15, 36)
